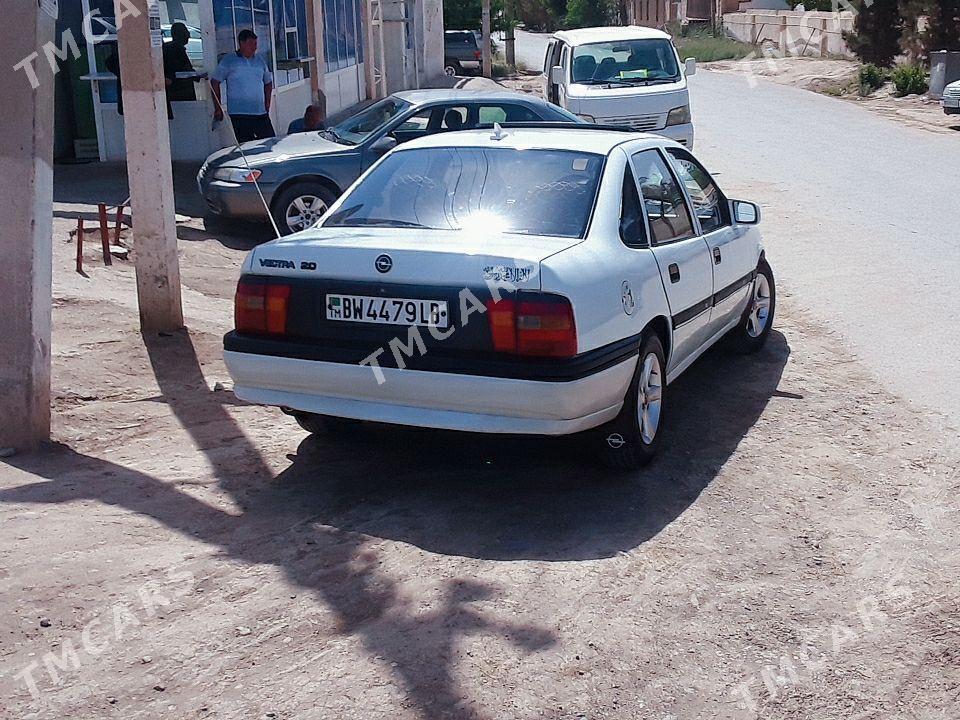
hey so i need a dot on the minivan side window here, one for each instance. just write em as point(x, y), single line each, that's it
point(633, 232)
point(709, 204)
point(663, 200)
point(548, 58)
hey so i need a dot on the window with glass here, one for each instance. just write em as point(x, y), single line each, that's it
point(663, 199)
point(531, 192)
point(342, 33)
point(357, 128)
point(709, 204)
point(290, 40)
point(633, 232)
point(644, 62)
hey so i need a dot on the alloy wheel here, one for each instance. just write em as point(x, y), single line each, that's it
point(304, 211)
point(760, 307)
point(649, 397)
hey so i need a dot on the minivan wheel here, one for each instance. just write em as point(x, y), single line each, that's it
point(754, 328)
point(630, 441)
point(452, 68)
point(301, 205)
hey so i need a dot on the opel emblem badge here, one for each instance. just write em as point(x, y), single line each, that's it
point(626, 297)
point(616, 441)
point(384, 263)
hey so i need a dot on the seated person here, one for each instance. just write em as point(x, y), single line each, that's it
point(313, 119)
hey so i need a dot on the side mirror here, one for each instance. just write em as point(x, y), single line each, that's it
point(745, 213)
point(690, 66)
point(383, 145)
point(556, 75)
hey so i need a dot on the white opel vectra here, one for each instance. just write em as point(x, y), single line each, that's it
point(525, 279)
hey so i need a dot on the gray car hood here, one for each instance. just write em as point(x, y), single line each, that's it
point(274, 150)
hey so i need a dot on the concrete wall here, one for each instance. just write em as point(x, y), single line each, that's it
point(792, 33)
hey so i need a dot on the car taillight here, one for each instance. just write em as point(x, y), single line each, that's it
point(477, 54)
point(261, 308)
point(541, 327)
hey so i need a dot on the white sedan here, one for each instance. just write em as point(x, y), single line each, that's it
point(540, 280)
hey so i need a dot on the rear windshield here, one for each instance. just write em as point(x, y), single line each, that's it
point(532, 192)
point(460, 38)
point(638, 61)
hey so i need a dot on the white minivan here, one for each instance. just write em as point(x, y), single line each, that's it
point(621, 76)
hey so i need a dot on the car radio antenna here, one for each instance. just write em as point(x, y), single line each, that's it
point(252, 176)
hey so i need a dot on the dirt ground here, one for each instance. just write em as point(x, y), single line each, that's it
point(176, 553)
point(838, 78)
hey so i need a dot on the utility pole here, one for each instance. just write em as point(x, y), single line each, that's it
point(485, 35)
point(509, 38)
point(26, 206)
point(149, 172)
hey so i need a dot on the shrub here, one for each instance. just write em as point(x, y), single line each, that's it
point(590, 13)
point(909, 80)
point(871, 78)
point(877, 28)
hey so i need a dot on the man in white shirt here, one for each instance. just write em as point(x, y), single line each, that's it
point(249, 90)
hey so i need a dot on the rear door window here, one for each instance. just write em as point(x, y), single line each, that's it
point(506, 112)
point(663, 200)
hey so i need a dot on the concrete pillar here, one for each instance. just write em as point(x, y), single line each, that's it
point(26, 206)
point(149, 172)
point(783, 36)
point(485, 55)
point(824, 39)
point(316, 45)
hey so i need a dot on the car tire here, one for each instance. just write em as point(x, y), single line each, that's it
point(754, 328)
point(320, 424)
point(452, 68)
point(314, 200)
point(630, 441)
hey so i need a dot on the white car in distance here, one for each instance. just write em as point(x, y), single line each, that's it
point(538, 280)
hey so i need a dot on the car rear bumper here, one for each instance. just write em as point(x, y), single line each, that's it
point(433, 399)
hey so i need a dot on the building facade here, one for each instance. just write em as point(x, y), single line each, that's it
point(348, 50)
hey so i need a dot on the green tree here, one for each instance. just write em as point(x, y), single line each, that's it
point(943, 32)
point(466, 14)
point(877, 29)
point(590, 13)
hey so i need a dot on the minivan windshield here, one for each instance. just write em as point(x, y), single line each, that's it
point(356, 128)
point(487, 190)
point(628, 61)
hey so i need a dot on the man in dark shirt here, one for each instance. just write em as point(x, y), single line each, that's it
point(175, 60)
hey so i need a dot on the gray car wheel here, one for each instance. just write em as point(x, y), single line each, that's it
point(300, 206)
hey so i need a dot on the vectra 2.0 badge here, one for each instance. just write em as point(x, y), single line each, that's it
point(384, 263)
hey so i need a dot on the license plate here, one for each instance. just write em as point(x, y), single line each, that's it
point(388, 311)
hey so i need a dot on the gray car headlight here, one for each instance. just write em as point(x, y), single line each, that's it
point(679, 116)
point(237, 175)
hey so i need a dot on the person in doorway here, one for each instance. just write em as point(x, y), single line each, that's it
point(313, 119)
point(249, 90)
point(175, 60)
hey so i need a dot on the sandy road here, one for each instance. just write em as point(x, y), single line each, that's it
point(205, 558)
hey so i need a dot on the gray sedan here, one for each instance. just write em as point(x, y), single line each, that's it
point(301, 175)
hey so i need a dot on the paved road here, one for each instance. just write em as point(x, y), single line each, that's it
point(861, 217)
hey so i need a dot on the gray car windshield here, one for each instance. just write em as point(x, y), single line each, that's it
point(626, 61)
point(356, 128)
point(539, 192)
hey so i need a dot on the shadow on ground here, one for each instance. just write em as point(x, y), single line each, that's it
point(493, 498)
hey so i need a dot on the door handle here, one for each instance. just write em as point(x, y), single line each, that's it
point(674, 270)
point(717, 258)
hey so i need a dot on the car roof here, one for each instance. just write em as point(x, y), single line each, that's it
point(584, 36)
point(582, 139)
point(419, 97)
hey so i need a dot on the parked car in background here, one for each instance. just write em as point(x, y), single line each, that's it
point(461, 50)
point(538, 280)
point(950, 102)
point(301, 175)
point(628, 76)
